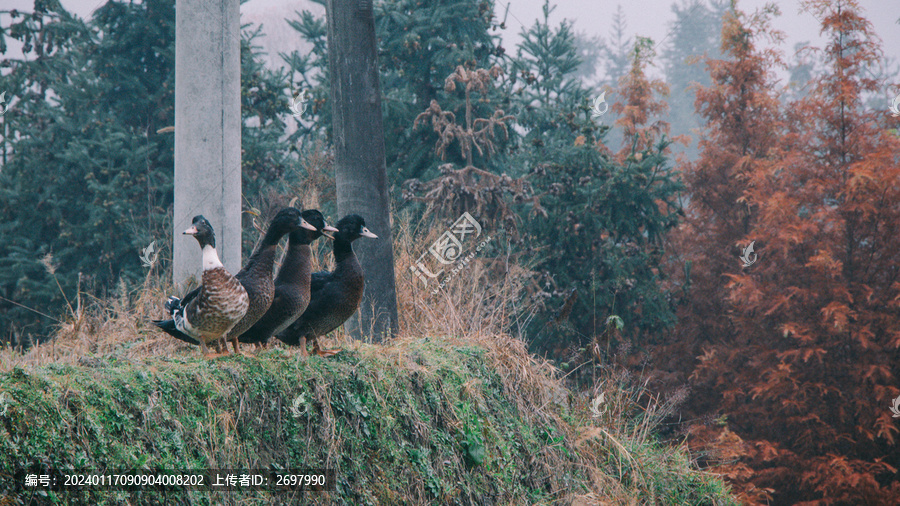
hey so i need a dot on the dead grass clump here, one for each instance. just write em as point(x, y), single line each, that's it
point(487, 295)
point(118, 326)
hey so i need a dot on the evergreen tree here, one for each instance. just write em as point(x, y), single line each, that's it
point(601, 218)
point(309, 75)
point(87, 179)
point(265, 102)
point(550, 93)
point(590, 51)
point(617, 49)
point(802, 71)
point(694, 35)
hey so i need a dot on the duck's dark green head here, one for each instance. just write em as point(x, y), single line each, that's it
point(202, 231)
point(352, 227)
point(315, 218)
point(286, 221)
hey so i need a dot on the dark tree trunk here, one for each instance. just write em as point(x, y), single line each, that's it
point(359, 158)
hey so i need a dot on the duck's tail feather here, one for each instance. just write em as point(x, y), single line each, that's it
point(168, 326)
point(173, 306)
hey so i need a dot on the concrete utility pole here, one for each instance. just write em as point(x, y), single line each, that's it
point(360, 170)
point(207, 130)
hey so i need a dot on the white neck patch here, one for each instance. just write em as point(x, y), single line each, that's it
point(210, 258)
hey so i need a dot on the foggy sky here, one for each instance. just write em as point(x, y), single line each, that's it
point(591, 17)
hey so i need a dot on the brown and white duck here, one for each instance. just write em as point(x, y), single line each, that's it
point(292, 282)
point(334, 296)
point(217, 305)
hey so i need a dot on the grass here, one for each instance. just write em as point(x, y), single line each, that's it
point(454, 411)
point(437, 420)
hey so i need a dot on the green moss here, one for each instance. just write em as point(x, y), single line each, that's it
point(435, 428)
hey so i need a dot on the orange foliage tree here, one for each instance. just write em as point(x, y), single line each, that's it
point(742, 117)
point(742, 124)
point(639, 104)
point(806, 363)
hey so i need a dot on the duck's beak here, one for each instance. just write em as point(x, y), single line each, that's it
point(307, 226)
point(191, 231)
point(366, 233)
point(328, 228)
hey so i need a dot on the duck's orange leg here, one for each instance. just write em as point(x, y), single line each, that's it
point(303, 351)
point(323, 353)
point(207, 353)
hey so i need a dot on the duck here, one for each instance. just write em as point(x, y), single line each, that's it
point(219, 303)
point(292, 283)
point(256, 276)
point(334, 296)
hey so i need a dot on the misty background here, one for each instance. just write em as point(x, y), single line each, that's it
point(679, 30)
point(593, 21)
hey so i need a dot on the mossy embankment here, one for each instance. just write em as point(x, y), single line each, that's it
point(426, 421)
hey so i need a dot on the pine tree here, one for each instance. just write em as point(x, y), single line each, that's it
point(603, 216)
point(590, 51)
point(88, 180)
point(469, 189)
point(268, 161)
point(617, 49)
point(309, 74)
point(545, 90)
point(694, 35)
